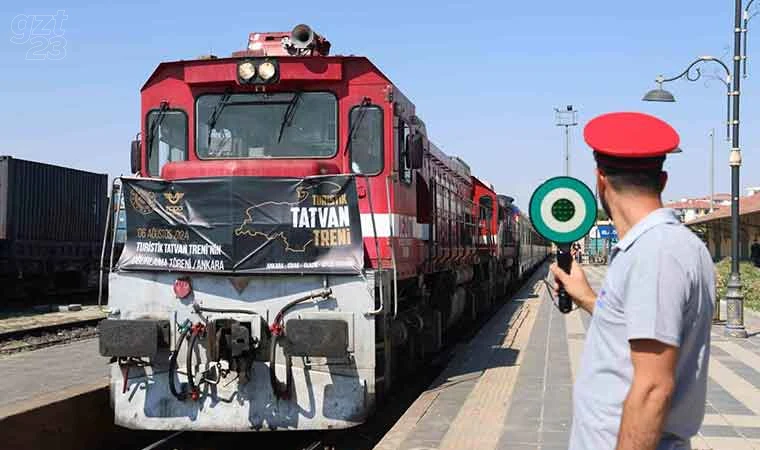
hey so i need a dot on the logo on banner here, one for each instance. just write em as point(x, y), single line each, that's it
point(142, 201)
point(174, 198)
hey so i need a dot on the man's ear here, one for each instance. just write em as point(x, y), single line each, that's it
point(663, 180)
point(601, 179)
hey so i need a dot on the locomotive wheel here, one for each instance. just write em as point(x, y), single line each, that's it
point(442, 293)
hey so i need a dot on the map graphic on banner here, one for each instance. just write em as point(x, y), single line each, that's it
point(243, 225)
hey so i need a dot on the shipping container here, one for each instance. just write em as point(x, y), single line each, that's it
point(52, 220)
point(43, 202)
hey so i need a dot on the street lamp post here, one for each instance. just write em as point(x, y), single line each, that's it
point(567, 118)
point(734, 297)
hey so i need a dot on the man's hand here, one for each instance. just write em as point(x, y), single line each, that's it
point(576, 285)
point(648, 401)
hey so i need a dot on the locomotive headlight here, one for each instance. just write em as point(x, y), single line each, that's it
point(246, 71)
point(267, 70)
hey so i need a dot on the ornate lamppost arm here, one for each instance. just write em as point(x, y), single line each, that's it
point(687, 73)
point(694, 73)
point(745, 29)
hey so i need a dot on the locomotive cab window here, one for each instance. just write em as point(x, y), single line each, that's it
point(166, 138)
point(366, 139)
point(266, 125)
point(402, 152)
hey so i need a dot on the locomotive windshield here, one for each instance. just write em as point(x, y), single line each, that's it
point(267, 125)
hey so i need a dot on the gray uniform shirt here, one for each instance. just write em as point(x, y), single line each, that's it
point(660, 285)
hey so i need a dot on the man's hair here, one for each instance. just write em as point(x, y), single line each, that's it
point(638, 181)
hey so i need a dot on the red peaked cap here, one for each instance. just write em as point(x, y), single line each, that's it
point(630, 140)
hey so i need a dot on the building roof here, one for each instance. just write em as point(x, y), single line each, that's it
point(747, 205)
point(722, 197)
point(689, 203)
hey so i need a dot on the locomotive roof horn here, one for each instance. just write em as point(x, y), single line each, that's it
point(302, 36)
point(304, 41)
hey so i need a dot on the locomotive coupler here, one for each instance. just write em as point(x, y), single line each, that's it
point(234, 342)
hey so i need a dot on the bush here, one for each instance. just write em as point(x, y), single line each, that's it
point(750, 281)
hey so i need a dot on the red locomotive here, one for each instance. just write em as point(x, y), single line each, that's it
point(294, 243)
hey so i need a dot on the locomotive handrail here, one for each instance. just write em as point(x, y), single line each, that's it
point(391, 223)
point(115, 228)
point(377, 248)
point(103, 248)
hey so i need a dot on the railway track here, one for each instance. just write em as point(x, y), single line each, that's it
point(45, 335)
point(181, 440)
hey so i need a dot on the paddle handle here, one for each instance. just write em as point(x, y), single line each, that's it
point(564, 261)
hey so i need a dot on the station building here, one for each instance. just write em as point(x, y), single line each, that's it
point(715, 228)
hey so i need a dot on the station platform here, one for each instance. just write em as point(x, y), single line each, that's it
point(57, 398)
point(510, 387)
point(40, 377)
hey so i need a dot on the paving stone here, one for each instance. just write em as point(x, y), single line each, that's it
point(750, 432)
point(506, 445)
point(555, 438)
point(418, 444)
point(718, 431)
point(748, 373)
point(563, 412)
point(724, 402)
point(519, 410)
point(520, 436)
point(710, 410)
point(524, 424)
point(555, 427)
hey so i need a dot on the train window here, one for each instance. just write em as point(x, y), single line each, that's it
point(402, 152)
point(266, 125)
point(486, 208)
point(366, 147)
point(166, 138)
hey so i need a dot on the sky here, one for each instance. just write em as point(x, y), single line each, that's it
point(484, 76)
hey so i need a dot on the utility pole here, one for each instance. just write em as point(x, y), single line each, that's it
point(567, 118)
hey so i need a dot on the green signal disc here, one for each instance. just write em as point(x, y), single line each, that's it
point(563, 209)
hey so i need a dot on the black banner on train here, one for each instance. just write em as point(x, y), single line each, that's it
point(243, 225)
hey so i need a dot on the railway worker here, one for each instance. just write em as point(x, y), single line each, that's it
point(643, 375)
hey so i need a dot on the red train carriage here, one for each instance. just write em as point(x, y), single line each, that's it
point(294, 241)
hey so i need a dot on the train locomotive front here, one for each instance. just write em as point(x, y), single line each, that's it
point(294, 243)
